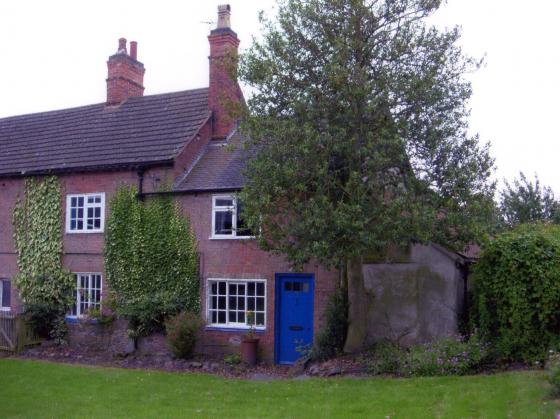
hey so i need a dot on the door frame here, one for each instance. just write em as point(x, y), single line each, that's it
point(278, 304)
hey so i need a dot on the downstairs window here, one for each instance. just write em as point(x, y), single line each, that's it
point(229, 301)
point(5, 294)
point(87, 296)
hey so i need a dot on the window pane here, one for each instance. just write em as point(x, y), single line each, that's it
point(251, 288)
point(6, 293)
point(221, 316)
point(222, 303)
point(222, 288)
point(260, 289)
point(242, 229)
point(214, 317)
point(223, 202)
point(260, 304)
point(259, 319)
point(232, 303)
point(90, 199)
point(251, 304)
point(214, 288)
point(223, 222)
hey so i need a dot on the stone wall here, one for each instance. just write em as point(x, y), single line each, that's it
point(417, 300)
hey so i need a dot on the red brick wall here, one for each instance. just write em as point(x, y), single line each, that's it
point(241, 259)
point(230, 259)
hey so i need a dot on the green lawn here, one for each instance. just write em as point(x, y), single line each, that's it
point(40, 390)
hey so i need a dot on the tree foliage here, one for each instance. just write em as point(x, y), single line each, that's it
point(151, 260)
point(517, 292)
point(359, 126)
point(527, 202)
point(44, 286)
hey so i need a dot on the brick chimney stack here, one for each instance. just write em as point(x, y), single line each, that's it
point(125, 77)
point(223, 87)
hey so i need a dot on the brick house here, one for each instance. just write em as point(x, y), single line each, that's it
point(179, 138)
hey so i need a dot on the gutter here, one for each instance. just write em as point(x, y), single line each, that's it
point(88, 169)
point(143, 195)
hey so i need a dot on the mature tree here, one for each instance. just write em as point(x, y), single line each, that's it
point(359, 120)
point(527, 202)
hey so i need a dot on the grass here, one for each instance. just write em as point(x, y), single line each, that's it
point(33, 389)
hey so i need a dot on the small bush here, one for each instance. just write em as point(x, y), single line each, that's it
point(387, 358)
point(182, 333)
point(517, 292)
point(553, 368)
point(47, 322)
point(448, 356)
point(233, 360)
point(330, 342)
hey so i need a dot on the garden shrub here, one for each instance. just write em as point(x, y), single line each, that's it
point(553, 368)
point(151, 261)
point(517, 292)
point(330, 342)
point(387, 358)
point(446, 356)
point(182, 333)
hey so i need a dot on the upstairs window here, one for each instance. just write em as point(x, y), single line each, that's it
point(87, 296)
point(5, 294)
point(227, 218)
point(85, 213)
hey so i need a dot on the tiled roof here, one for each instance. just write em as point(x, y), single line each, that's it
point(219, 168)
point(141, 131)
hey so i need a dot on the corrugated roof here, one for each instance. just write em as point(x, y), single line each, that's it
point(219, 168)
point(141, 131)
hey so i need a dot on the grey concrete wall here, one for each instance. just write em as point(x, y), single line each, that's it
point(416, 301)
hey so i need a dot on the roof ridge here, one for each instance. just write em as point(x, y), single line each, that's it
point(94, 105)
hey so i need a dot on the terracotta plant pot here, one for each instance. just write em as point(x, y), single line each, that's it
point(249, 350)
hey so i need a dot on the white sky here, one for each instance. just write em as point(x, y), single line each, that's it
point(54, 56)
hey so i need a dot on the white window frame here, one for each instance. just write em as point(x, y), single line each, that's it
point(233, 209)
point(86, 206)
point(77, 301)
point(2, 308)
point(228, 324)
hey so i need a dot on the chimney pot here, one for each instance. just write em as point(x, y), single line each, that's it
point(224, 13)
point(133, 49)
point(122, 46)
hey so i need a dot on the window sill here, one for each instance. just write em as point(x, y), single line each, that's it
point(234, 329)
point(85, 232)
point(78, 320)
point(231, 238)
point(6, 309)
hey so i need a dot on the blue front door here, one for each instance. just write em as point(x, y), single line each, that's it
point(294, 316)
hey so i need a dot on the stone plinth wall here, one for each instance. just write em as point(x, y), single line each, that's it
point(415, 301)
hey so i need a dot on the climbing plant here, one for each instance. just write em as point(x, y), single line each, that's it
point(151, 260)
point(517, 292)
point(45, 288)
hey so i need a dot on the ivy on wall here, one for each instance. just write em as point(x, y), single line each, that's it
point(151, 260)
point(43, 285)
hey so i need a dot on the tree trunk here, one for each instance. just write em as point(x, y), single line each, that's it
point(358, 306)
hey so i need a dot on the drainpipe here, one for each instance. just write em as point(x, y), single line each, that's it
point(141, 185)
